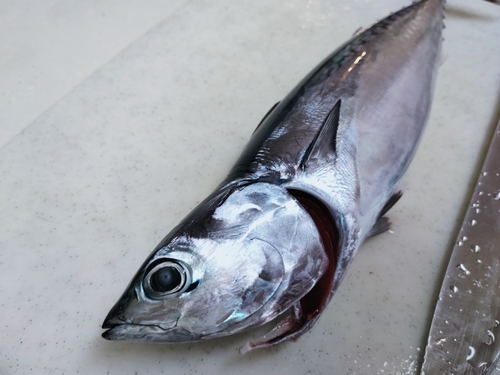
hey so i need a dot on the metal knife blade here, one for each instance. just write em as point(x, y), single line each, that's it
point(464, 335)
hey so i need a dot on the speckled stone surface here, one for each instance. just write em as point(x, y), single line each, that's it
point(49, 47)
point(93, 184)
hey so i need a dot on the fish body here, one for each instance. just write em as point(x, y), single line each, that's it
point(315, 180)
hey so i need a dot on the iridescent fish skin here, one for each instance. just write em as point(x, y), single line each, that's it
point(315, 180)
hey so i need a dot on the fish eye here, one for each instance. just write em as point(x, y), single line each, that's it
point(166, 278)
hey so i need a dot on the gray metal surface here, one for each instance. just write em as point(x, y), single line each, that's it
point(464, 334)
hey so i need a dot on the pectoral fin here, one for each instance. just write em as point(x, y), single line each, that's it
point(323, 146)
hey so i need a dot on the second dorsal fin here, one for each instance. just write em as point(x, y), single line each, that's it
point(323, 145)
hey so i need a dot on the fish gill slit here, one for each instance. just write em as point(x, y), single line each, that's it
point(313, 303)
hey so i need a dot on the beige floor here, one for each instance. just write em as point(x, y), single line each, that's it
point(117, 117)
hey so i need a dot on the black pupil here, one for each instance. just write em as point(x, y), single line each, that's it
point(166, 279)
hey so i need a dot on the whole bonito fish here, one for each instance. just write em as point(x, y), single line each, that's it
point(320, 171)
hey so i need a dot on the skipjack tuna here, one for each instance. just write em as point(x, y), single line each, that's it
point(319, 173)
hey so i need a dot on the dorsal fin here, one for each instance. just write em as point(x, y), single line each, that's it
point(323, 145)
point(266, 116)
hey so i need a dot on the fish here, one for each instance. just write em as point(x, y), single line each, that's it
point(321, 170)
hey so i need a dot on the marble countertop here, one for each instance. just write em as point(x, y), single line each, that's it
point(119, 117)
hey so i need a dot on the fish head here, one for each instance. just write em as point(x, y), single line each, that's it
point(240, 259)
point(182, 294)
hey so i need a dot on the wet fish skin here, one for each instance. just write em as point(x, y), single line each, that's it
point(320, 170)
point(237, 262)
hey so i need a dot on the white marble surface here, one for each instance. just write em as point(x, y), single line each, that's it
point(95, 182)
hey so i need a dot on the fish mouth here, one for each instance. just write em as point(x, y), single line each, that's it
point(142, 332)
point(119, 329)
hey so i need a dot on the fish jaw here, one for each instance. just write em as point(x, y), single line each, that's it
point(262, 253)
point(145, 333)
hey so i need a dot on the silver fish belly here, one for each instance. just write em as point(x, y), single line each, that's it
point(319, 173)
